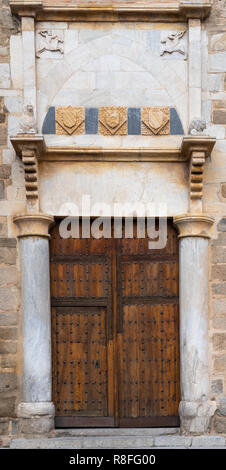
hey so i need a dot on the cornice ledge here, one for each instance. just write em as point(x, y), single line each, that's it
point(202, 143)
point(178, 10)
point(34, 142)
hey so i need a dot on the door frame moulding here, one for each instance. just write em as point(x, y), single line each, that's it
point(158, 11)
point(181, 153)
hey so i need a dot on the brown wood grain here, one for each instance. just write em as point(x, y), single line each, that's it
point(115, 331)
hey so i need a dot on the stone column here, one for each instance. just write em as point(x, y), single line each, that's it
point(195, 407)
point(36, 412)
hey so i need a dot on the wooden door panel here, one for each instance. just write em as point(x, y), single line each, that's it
point(115, 326)
point(81, 361)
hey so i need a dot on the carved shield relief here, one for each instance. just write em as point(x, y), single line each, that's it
point(70, 120)
point(155, 121)
point(113, 120)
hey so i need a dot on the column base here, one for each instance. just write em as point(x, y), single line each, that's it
point(195, 416)
point(36, 418)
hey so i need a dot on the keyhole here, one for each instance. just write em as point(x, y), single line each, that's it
point(97, 365)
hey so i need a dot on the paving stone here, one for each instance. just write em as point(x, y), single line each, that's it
point(208, 442)
point(217, 386)
point(172, 441)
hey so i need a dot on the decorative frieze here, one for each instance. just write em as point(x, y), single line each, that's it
point(113, 120)
point(155, 121)
point(70, 120)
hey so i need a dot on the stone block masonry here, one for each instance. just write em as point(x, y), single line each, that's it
point(9, 293)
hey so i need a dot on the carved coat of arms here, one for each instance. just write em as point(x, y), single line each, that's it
point(113, 120)
point(155, 121)
point(70, 120)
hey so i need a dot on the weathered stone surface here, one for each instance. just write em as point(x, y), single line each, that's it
point(8, 242)
point(5, 171)
point(219, 271)
point(219, 323)
point(223, 190)
point(222, 225)
point(219, 424)
point(8, 332)
point(3, 227)
point(40, 425)
point(8, 347)
point(7, 405)
point(4, 426)
point(218, 255)
point(172, 441)
point(217, 386)
point(8, 255)
point(3, 135)
point(8, 319)
point(219, 288)
point(220, 363)
point(8, 360)
point(220, 240)
point(4, 76)
point(208, 442)
point(222, 406)
point(8, 275)
point(219, 307)
point(9, 299)
point(2, 190)
point(224, 82)
point(8, 382)
point(219, 341)
point(219, 116)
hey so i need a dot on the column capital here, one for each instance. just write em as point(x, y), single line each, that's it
point(190, 225)
point(34, 225)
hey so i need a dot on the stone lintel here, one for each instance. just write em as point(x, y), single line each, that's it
point(178, 11)
point(190, 225)
point(34, 225)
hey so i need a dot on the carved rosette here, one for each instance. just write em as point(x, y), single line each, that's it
point(155, 121)
point(113, 120)
point(70, 120)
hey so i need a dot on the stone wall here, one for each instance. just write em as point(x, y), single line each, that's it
point(9, 295)
point(214, 109)
point(12, 200)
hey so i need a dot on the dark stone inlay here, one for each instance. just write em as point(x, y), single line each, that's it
point(176, 127)
point(134, 121)
point(49, 124)
point(91, 121)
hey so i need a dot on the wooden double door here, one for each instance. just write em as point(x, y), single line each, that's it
point(115, 332)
